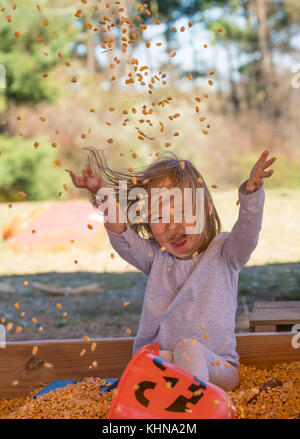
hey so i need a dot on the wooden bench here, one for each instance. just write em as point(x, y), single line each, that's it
point(274, 316)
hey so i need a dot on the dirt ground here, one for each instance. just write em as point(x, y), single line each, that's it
point(272, 273)
point(103, 314)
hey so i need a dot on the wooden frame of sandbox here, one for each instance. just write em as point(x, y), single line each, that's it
point(112, 354)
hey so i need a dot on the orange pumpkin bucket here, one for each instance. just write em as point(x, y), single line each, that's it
point(153, 388)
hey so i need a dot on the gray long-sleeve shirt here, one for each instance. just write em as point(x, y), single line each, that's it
point(194, 298)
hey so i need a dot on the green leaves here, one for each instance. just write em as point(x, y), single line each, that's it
point(22, 168)
point(24, 58)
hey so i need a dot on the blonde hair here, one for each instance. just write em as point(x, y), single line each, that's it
point(166, 165)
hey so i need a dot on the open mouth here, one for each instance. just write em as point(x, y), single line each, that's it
point(179, 244)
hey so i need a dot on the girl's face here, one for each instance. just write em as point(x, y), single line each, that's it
point(172, 235)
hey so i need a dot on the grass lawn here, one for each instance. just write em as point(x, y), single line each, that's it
point(272, 273)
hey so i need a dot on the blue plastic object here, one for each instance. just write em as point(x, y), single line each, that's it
point(110, 383)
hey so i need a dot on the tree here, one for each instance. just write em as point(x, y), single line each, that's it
point(24, 57)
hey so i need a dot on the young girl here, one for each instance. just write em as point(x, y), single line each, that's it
point(191, 296)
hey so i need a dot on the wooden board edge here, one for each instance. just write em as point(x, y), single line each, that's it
point(113, 354)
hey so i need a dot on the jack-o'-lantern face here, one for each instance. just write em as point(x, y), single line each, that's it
point(151, 387)
point(169, 392)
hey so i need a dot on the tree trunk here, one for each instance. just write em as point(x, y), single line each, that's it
point(265, 53)
point(234, 98)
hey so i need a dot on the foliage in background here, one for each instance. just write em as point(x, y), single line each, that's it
point(252, 106)
point(29, 170)
point(24, 58)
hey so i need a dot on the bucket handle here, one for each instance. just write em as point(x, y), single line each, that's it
point(156, 349)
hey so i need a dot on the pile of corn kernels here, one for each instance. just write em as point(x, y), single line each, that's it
point(262, 394)
point(81, 400)
point(268, 393)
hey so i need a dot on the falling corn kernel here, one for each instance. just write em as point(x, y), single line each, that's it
point(216, 403)
point(64, 315)
point(183, 340)
point(34, 320)
point(163, 249)
point(41, 329)
point(9, 326)
point(22, 314)
point(187, 410)
point(22, 194)
point(14, 383)
point(48, 365)
point(217, 362)
point(214, 186)
point(3, 320)
point(195, 254)
point(182, 164)
point(128, 331)
point(199, 179)
point(58, 305)
point(136, 387)
point(168, 385)
point(238, 202)
point(89, 226)
point(86, 338)
point(118, 409)
point(112, 255)
point(35, 350)
point(206, 336)
point(17, 34)
point(227, 365)
point(93, 346)
point(16, 305)
point(82, 353)
point(95, 363)
point(202, 326)
point(126, 303)
point(19, 329)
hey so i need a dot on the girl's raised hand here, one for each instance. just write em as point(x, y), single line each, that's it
point(89, 181)
point(258, 172)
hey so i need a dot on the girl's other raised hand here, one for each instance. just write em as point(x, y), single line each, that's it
point(88, 181)
point(258, 172)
